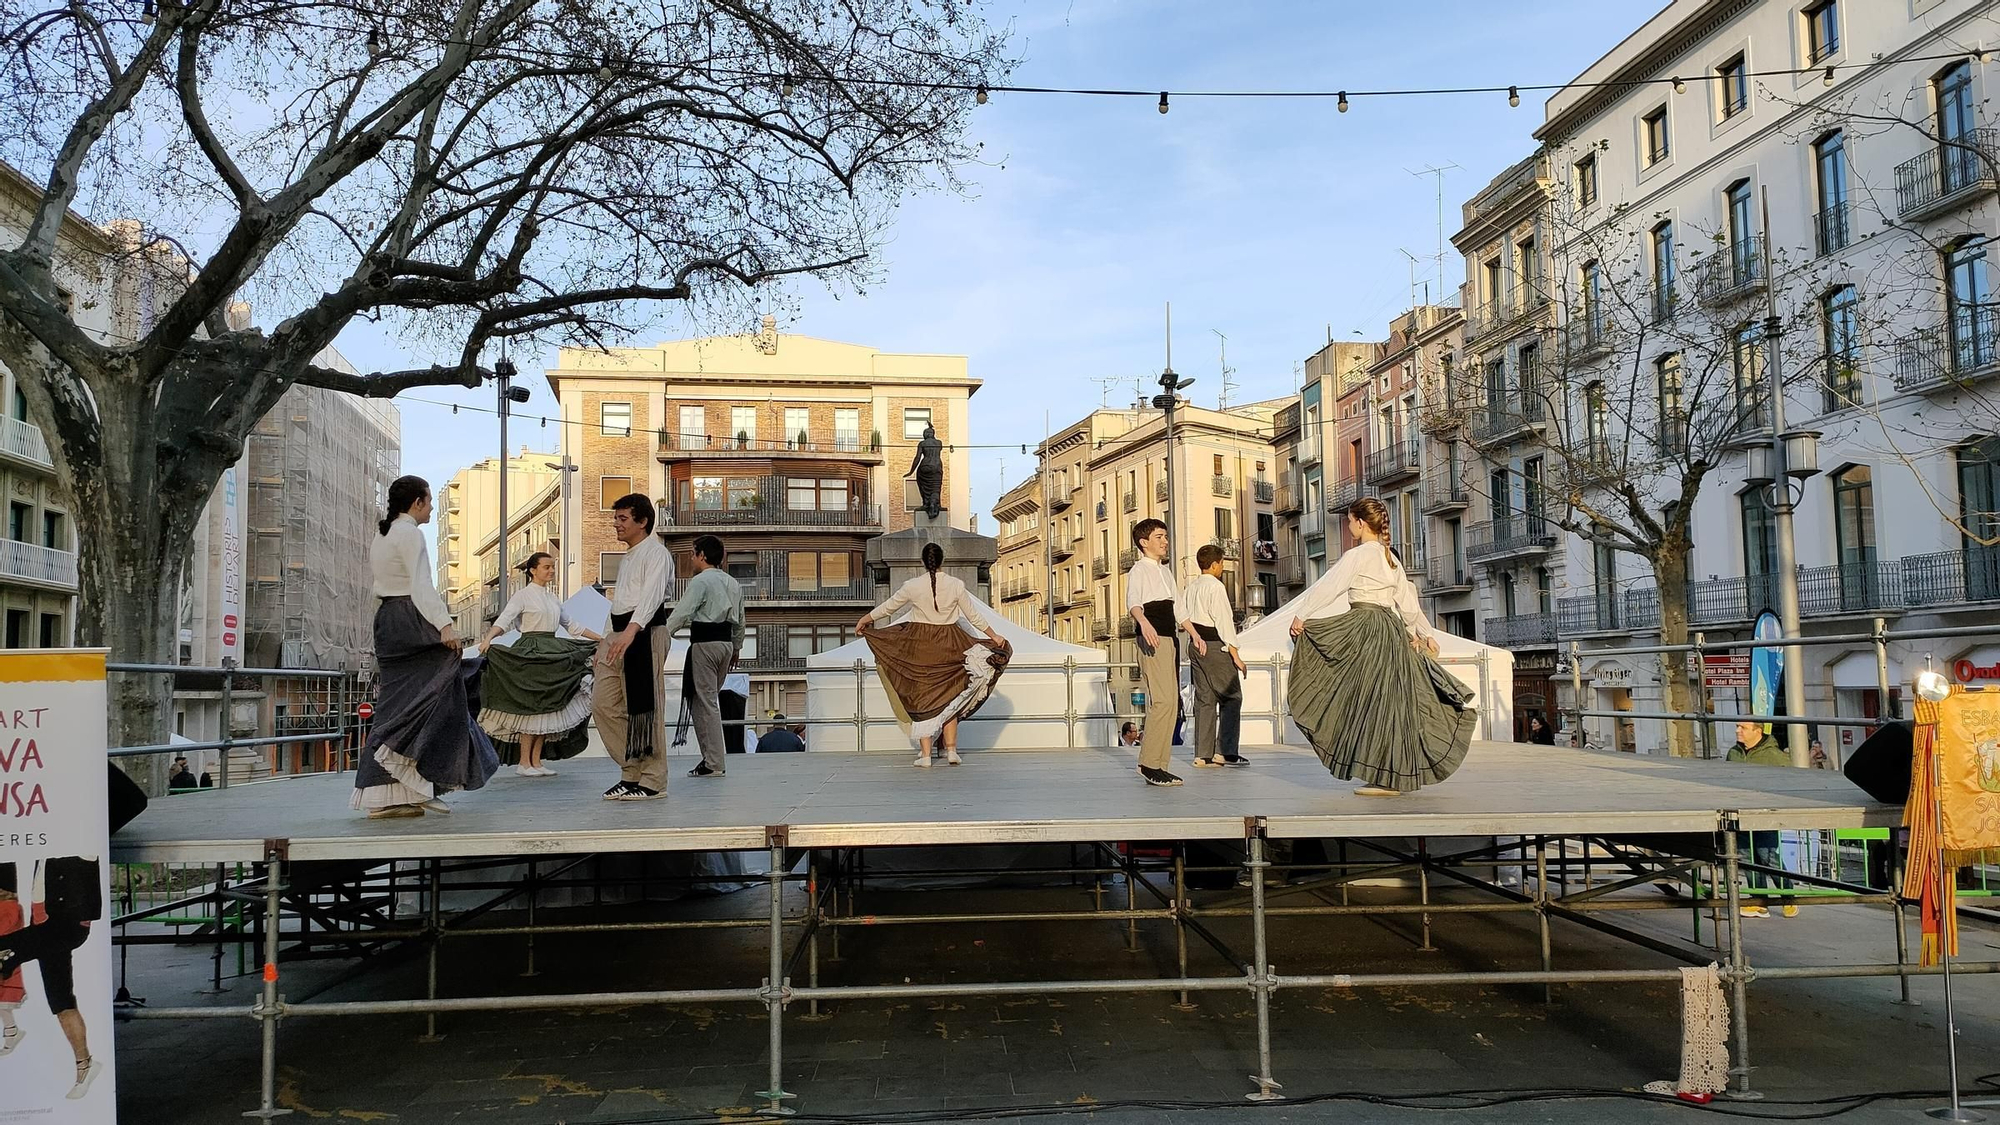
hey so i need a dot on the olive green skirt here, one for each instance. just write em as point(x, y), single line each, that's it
point(1376, 710)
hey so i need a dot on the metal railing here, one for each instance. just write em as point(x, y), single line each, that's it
point(1943, 177)
point(1341, 495)
point(304, 708)
point(1262, 491)
point(32, 562)
point(1232, 549)
point(1965, 347)
point(1442, 573)
point(24, 441)
point(1519, 631)
point(773, 507)
point(1734, 271)
point(1589, 334)
point(1516, 534)
point(1287, 502)
point(1591, 613)
point(1100, 568)
point(1160, 492)
point(1661, 299)
point(1394, 462)
point(1131, 502)
point(1061, 496)
point(1100, 628)
point(843, 444)
point(1444, 489)
point(1500, 419)
point(1830, 228)
point(1291, 570)
point(1221, 486)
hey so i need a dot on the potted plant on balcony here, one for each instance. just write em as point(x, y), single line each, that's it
point(743, 439)
point(801, 441)
point(875, 441)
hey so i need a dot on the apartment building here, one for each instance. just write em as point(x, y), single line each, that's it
point(794, 450)
point(534, 523)
point(1020, 572)
point(1874, 163)
point(467, 517)
point(1303, 433)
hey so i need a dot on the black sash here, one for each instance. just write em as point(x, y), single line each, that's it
point(1160, 615)
point(641, 693)
point(708, 632)
point(1205, 632)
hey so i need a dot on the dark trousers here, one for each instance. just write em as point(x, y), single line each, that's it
point(49, 944)
point(1766, 849)
point(1218, 700)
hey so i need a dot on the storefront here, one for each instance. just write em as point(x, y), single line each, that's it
point(1857, 696)
point(1534, 690)
point(1610, 686)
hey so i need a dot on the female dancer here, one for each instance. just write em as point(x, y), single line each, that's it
point(930, 666)
point(1365, 685)
point(423, 742)
point(13, 916)
point(540, 685)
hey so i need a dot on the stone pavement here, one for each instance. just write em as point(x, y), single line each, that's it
point(942, 1058)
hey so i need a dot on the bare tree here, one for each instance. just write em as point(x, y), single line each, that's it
point(469, 171)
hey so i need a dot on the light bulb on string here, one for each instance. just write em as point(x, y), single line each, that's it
point(1680, 86)
point(979, 95)
point(786, 87)
point(1341, 104)
point(604, 73)
point(1163, 101)
point(1514, 96)
point(1828, 80)
point(146, 13)
point(374, 43)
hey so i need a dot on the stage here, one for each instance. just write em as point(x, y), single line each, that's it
point(876, 799)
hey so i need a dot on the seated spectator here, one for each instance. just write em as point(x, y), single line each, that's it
point(180, 777)
point(1128, 735)
point(782, 739)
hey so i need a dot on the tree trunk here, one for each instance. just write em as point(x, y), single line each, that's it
point(1671, 574)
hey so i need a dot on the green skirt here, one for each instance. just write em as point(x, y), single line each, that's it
point(538, 685)
point(1376, 710)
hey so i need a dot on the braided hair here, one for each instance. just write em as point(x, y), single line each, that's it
point(933, 556)
point(1375, 514)
point(404, 492)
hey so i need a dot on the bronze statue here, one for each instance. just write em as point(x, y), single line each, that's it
point(928, 468)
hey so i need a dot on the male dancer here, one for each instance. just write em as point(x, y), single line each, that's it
point(1149, 598)
point(625, 696)
point(1211, 625)
point(712, 609)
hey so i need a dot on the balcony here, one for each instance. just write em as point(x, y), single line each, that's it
point(1127, 628)
point(1592, 613)
point(23, 442)
point(1966, 347)
point(1312, 522)
point(1947, 177)
point(1291, 570)
point(1232, 549)
point(1159, 492)
point(1060, 497)
point(37, 565)
point(674, 446)
point(1662, 298)
point(1396, 462)
point(1341, 495)
point(1285, 425)
point(1061, 549)
point(1015, 589)
point(1516, 536)
point(1287, 503)
point(1508, 418)
point(1963, 577)
point(1444, 575)
point(772, 505)
point(1126, 558)
point(1590, 335)
point(777, 589)
point(1262, 491)
point(1222, 486)
point(1131, 502)
point(1103, 510)
point(1264, 551)
point(1100, 568)
point(1444, 491)
point(1732, 273)
point(1308, 451)
point(1068, 600)
point(1100, 628)
point(1524, 630)
point(1496, 317)
point(1831, 232)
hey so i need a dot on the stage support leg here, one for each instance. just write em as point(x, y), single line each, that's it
point(1542, 913)
point(1424, 890)
point(534, 892)
point(775, 985)
point(1180, 921)
point(1261, 977)
point(267, 1004)
point(814, 918)
point(1131, 900)
point(222, 911)
point(436, 937)
point(1738, 969)
point(1902, 951)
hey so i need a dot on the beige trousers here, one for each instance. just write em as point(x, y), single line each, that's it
point(607, 707)
point(1159, 670)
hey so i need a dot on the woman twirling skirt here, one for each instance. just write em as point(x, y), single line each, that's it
point(934, 674)
point(423, 742)
point(1375, 709)
point(538, 685)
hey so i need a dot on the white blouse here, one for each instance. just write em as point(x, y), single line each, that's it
point(1363, 576)
point(400, 563)
point(534, 609)
point(951, 602)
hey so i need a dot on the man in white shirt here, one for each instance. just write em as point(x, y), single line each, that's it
point(1210, 621)
point(625, 696)
point(1149, 599)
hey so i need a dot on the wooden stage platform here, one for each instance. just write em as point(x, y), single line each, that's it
point(876, 799)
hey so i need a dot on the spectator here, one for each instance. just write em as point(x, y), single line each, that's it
point(1819, 760)
point(1128, 735)
point(180, 777)
point(1755, 745)
point(782, 739)
point(1540, 733)
point(207, 780)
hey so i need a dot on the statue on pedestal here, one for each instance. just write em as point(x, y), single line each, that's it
point(928, 469)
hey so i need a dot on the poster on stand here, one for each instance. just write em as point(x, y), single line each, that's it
point(55, 933)
point(1767, 667)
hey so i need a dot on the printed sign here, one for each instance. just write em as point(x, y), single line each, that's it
point(1767, 667)
point(1729, 669)
point(55, 931)
point(229, 641)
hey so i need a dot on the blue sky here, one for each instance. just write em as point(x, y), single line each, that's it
point(1273, 222)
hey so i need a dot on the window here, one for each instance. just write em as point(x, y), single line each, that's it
point(1597, 422)
point(1218, 464)
point(1529, 362)
point(798, 427)
point(1979, 517)
point(1527, 274)
point(1969, 310)
point(1653, 135)
point(810, 494)
point(1746, 362)
point(17, 628)
point(847, 429)
point(1604, 585)
point(1267, 532)
point(20, 405)
point(19, 518)
point(1830, 168)
point(1495, 284)
point(1225, 523)
point(1739, 208)
point(1822, 31)
point(1500, 495)
point(1586, 180)
point(1735, 80)
point(802, 641)
point(1760, 542)
point(1590, 295)
point(743, 425)
point(614, 419)
point(1545, 594)
point(1854, 532)
point(1507, 606)
point(1842, 328)
point(1663, 273)
point(609, 489)
point(1959, 161)
point(52, 532)
point(915, 418)
point(51, 636)
point(1673, 404)
point(694, 427)
point(807, 571)
point(608, 563)
point(1531, 493)
point(741, 565)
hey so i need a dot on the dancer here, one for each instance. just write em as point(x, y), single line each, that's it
point(932, 669)
point(12, 990)
point(1149, 598)
point(1216, 665)
point(1365, 685)
point(423, 742)
point(712, 609)
point(68, 896)
point(625, 695)
point(540, 685)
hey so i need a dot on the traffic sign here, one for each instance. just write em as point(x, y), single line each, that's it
point(365, 711)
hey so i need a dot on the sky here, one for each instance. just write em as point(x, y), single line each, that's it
point(1277, 223)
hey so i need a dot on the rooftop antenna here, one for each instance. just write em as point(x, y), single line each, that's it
point(1413, 274)
point(1228, 384)
point(1104, 385)
point(1437, 172)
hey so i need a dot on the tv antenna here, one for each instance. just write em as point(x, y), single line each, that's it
point(1104, 385)
point(1437, 172)
point(1228, 384)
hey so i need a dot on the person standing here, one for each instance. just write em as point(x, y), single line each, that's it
point(13, 917)
point(182, 777)
point(1365, 685)
point(712, 609)
point(931, 668)
point(540, 685)
point(1216, 666)
point(625, 697)
point(1149, 599)
point(422, 742)
point(1755, 746)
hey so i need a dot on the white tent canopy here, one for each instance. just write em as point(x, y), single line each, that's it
point(1046, 680)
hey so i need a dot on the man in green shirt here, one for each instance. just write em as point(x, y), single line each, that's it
point(712, 609)
point(1755, 745)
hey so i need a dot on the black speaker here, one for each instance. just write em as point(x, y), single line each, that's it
point(1881, 764)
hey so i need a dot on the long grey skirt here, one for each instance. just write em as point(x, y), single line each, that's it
point(423, 741)
point(1376, 710)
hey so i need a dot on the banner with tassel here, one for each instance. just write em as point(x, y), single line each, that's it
point(1953, 812)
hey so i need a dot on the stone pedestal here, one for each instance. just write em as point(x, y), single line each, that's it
point(897, 557)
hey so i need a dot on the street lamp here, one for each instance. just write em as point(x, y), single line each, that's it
point(1170, 387)
point(565, 467)
point(503, 379)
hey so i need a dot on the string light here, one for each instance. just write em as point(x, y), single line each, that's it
point(1680, 87)
point(1341, 105)
point(1828, 80)
point(1514, 96)
point(1163, 101)
point(979, 97)
point(604, 71)
point(787, 87)
point(147, 13)
point(374, 43)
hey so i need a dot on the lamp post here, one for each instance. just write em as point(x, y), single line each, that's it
point(1170, 387)
point(503, 380)
point(565, 467)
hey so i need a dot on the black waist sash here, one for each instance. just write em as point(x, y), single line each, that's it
point(641, 693)
point(708, 632)
point(1206, 632)
point(1160, 615)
